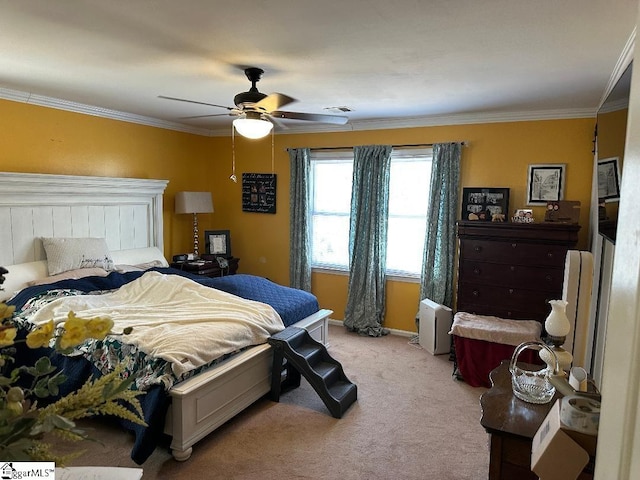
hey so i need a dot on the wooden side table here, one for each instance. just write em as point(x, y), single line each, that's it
point(208, 268)
point(512, 423)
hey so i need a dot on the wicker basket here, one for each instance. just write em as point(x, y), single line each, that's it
point(532, 386)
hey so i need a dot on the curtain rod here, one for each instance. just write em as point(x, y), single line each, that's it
point(409, 145)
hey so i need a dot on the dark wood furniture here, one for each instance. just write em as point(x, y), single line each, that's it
point(512, 423)
point(208, 268)
point(511, 270)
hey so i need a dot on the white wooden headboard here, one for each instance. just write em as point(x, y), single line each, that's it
point(127, 212)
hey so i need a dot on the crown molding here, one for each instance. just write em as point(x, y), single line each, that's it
point(625, 59)
point(355, 125)
point(437, 120)
point(44, 101)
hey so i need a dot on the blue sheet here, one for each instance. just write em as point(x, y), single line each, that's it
point(291, 304)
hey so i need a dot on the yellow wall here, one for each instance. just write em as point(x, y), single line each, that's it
point(36, 139)
point(498, 155)
point(43, 140)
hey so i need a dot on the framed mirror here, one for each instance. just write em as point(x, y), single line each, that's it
point(611, 132)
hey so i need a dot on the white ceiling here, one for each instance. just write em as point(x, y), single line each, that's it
point(392, 62)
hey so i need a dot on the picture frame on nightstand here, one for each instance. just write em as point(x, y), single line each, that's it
point(218, 243)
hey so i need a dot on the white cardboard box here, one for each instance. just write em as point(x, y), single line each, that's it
point(558, 453)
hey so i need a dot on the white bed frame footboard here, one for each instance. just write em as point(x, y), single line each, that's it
point(128, 213)
point(204, 402)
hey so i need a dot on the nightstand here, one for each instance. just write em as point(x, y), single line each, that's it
point(511, 424)
point(208, 268)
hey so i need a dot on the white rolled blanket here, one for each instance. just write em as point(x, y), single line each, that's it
point(495, 329)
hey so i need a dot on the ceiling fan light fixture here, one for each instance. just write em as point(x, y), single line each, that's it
point(252, 127)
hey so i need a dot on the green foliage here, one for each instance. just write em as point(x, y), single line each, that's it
point(24, 426)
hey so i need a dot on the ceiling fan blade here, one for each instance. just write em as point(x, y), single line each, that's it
point(193, 101)
point(312, 117)
point(206, 116)
point(274, 101)
point(278, 123)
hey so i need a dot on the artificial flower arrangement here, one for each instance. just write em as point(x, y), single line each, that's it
point(24, 425)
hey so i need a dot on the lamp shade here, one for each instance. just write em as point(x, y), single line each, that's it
point(557, 324)
point(194, 202)
point(252, 127)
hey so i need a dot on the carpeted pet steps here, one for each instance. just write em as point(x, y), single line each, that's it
point(296, 353)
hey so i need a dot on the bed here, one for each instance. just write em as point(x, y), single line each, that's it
point(127, 214)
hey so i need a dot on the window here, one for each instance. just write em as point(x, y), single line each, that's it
point(331, 182)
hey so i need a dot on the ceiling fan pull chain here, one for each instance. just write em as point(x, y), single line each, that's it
point(233, 157)
point(273, 135)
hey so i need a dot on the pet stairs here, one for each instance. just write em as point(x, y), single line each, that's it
point(296, 353)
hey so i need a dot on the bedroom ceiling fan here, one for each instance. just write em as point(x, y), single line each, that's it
point(255, 110)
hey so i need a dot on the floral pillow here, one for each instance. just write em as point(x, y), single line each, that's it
point(64, 254)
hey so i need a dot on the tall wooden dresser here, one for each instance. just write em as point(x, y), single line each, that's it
point(508, 270)
point(511, 270)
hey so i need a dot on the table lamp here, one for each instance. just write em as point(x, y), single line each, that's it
point(195, 203)
point(558, 327)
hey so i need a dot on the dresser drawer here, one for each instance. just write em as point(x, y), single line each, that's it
point(513, 252)
point(503, 311)
point(512, 275)
point(501, 301)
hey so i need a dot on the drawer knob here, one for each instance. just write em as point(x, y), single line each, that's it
point(514, 245)
point(512, 268)
point(476, 271)
point(511, 291)
point(477, 248)
point(549, 278)
point(549, 254)
point(475, 293)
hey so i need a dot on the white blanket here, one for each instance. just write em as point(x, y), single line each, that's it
point(495, 329)
point(175, 318)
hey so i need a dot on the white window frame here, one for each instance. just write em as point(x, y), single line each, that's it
point(328, 156)
point(409, 154)
point(398, 154)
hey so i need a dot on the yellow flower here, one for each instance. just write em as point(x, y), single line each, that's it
point(7, 336)
point(99, 327)
point(14, 408)
point(6, 311)
point(40, 336)
point(75, 331)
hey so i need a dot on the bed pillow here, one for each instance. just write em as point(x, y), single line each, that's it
point(143, 258)
point(71, 275)
point(140, 267)
point(64, 254)
point(19, 277)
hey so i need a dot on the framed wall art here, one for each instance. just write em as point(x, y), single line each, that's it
point(259, 192)
point(483, 203)
point(545, 183)
point(218, 243)
point(608, 179)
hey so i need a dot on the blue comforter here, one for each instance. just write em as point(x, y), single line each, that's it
point(291, 304)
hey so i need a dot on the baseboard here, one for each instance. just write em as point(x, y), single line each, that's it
point(392, 331)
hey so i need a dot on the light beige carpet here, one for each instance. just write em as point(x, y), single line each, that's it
point(412, 420)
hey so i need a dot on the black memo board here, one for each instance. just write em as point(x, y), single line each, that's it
point(259, 192)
